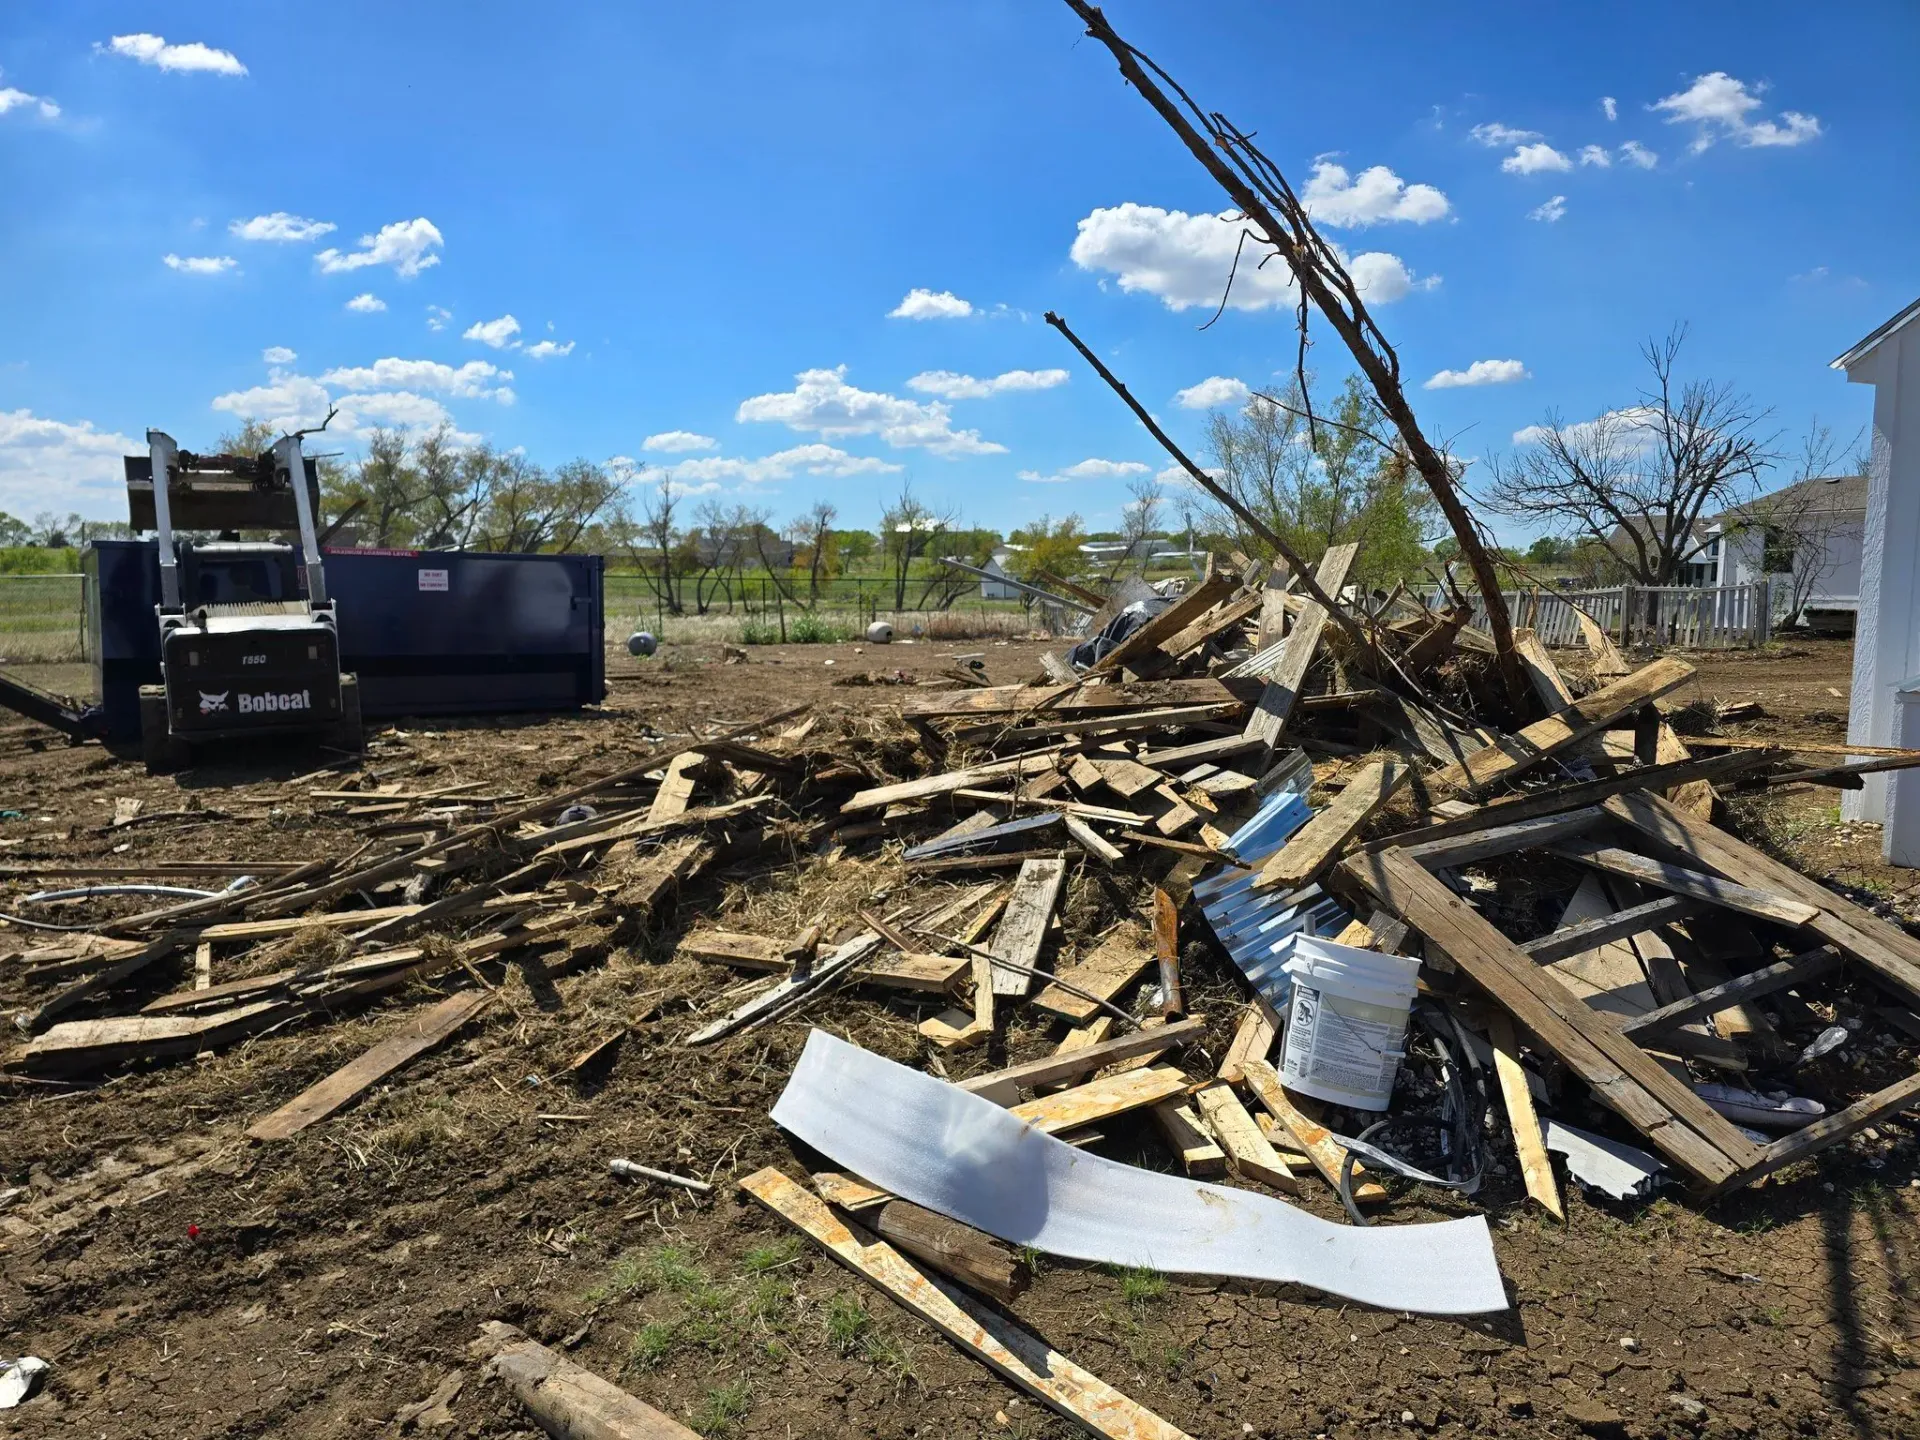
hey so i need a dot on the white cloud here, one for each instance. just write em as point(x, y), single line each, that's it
point(1332, 197)
point(1719, 105)
point(1609, 107)
point(549, 350)
point(52, 465)
point(397, 408)
point(923, 304)
point(1480, 372)
point(153, 50)
point(1185, 259)
point(1091, 469)
point(1634, 153)
point(497, 333)
point(473, 380)
point(815, 459)
point(1533, 159)
point(437, 317)
point(1595, 155)
point(1550, 210)
point(367, 303)
point(950, 386)
point(200, 264)
point(285, 402)
point(405, 245)
point(278, 355)
point(1496, 136)
point(823, 402)
point(280, 226)
point(12, 99)
point(1174, 475)
point(674, 442)
point(1630, 429)
point(1212, 391)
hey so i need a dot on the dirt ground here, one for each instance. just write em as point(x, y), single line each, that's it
point(186, 1282)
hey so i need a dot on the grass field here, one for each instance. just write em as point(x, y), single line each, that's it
point(42, 618)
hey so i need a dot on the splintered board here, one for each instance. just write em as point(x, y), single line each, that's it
point(1023, 928)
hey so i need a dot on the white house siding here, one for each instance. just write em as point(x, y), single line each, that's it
point(1837, 587)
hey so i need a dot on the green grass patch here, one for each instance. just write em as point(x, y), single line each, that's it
point(763, 1258)
point(847, 1323)
point(810, 629)
point(652, 1344)
point(629, 1273)
point(759, 632)
point(1141, 1287)
point(722, 1408)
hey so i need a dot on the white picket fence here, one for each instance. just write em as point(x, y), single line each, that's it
point(1686, 617)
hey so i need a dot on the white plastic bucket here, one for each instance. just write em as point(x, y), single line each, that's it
point(1346, 1022)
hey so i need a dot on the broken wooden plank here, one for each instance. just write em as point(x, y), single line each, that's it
point(1695, 884)
point(1015, 1354)
point(1316, 845)
point(1253, 1038)
point(1022, 932)
point(1003, 1086)
point(1220, 618)
point(1168, 623)
point(1751, 986)
point(1092, 841)
point(1283, 685)
point(569, 1401)
point(1535, 1166)
point(1061, 701)
point(417, 1036)
point(1541, 672)
point(1315, 1141)
point(1114, 964)
point(789, 993)
point(1831, 1129)
point(1101, 1098)
point(1248, 1154)
point(1511, 755)
point(675, 794)
point(1618, 925)
point(1179, 757)
point(1199, 1155)
point(945, 783)
point(1621, 1077)
point(1892, 955)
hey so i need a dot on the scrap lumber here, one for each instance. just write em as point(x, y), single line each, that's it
point(1015, 1354)
point(959, 1251)
point(1313, 1139)
point(1607, 975)
point(1168, 623)
point(1315, 845)
point(1695, 884)
point(250, 930)
point(1627, 1081)
point(1887, 951)
point(1092, 841)
point(1003, 1086)
point(676, 786)
point(1253, 1038)
point(1076, 699)
point(599, 834)
point(78, 1045)
point(1198, 1152)
point(417, 1036)
point(569, 1401)
point(1283, 686)
point(65, 999)
point(1180, 757)
point(790, 992)
point(1831, 1129)
point(1249, 1155)
point(1101, 1098)
point(1221, 617)
point(1114, 964)
point(945, 783)
point(1768, 979)
point(1522, 1121)
point(1022, 932)
point(1542, 674)
point(294, 902)
point(1608, 662)
point(1127, 778)
point(1511, 755)
point(1573, 939)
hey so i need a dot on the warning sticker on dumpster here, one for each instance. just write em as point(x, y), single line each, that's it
point(433, 580)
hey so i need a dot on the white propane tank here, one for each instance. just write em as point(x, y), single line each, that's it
point(879, 633)
point(641, 643)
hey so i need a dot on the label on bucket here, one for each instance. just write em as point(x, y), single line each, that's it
point(1341, 1050)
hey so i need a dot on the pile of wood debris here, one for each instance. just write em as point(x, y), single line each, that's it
point(1243, 768)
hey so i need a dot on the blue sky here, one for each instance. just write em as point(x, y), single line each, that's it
point(698, 215)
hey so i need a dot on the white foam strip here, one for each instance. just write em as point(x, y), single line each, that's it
point(941, 1147)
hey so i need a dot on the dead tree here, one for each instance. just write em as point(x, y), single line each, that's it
point(1277, 221)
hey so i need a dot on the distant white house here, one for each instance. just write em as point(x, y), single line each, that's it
point(1806, 540)
point(997, 588)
